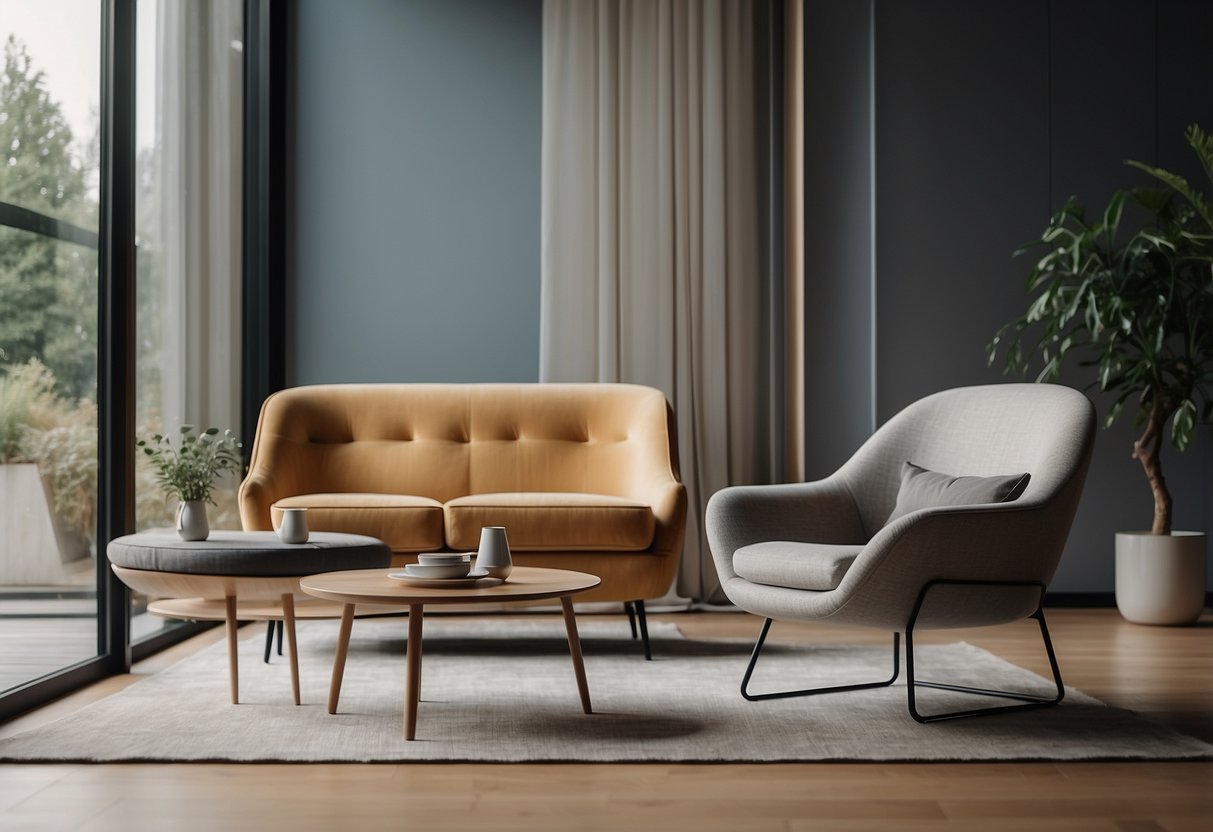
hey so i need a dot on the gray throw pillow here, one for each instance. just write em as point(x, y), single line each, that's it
point(921, 488)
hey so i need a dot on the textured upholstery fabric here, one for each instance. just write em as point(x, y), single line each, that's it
point(921, 489)
point(541, 522)
point(247, 554)
point(580, 463)
point(403, 522)
point(1042, 429)
point(816, 566)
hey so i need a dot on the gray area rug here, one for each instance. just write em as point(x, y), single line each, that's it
point(505, 691)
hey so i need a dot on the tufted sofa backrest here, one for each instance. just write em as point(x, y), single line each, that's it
point(448, 440)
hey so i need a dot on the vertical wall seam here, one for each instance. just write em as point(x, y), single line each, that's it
point(872, 209)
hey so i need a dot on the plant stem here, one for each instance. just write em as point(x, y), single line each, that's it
point(1146, 450)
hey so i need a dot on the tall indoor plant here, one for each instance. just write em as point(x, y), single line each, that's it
point(188, 472)
point(1130, 293)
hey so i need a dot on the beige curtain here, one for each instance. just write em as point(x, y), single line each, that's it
point(650, 252)
point(198, 131)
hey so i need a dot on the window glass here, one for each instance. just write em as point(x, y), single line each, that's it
point(49, 151)
point(189, 103)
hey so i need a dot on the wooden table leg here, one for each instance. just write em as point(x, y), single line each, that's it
point(412, 693)
point(233, 669)
point(343, 646)
point(570, 626)
point(288, 620)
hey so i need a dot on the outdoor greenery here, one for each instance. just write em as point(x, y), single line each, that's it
point(1133, 300)
point(48, 288)
point(38, 425)
point(188, 471)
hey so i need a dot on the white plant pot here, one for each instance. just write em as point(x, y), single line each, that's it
point(191, 520)
point(1160, 579)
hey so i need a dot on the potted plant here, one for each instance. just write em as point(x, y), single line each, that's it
point(188, 472)
point(48, 477)
point(1135, 306)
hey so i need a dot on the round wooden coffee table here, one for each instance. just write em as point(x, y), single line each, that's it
point(373, 586)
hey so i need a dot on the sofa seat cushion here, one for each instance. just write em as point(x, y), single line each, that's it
point(404, 522)
point(813, 566)
point(552, 521)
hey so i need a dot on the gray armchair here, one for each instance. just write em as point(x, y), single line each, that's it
point(829, 551)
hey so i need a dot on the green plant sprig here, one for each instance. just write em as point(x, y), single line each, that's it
point(188, 471)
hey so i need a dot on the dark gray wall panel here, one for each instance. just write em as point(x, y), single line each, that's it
point(988, 116)
point(961, 178)
point(1185, 80)
point(1102, 96)
point(838, 226)
point(417, 177)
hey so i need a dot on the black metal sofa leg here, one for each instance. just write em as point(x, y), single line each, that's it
point(271, 626)
point(269, 640)
point(631, 611)
point(644, 629)
point(785, 694)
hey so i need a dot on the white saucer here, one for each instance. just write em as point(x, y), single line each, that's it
point(477, 577)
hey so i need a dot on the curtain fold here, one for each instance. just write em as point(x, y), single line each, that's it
point(198, 131)
point(651, 266)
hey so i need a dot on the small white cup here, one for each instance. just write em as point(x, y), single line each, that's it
point(494, 553)
point(294, 526)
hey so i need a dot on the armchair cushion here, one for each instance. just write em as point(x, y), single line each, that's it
point(813, 566)
point(921, 488)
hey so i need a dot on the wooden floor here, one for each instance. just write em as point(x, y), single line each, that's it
point(1165, 673)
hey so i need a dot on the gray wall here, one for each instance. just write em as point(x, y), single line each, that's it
point(986, 117)
point(415, 252)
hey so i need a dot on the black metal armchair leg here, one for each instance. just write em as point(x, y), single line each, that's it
point(638, 604)
point(762, 637)
point(279, 623)
point(1026, 700)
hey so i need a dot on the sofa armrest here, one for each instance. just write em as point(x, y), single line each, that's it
point(257, 493)
point(669, 504)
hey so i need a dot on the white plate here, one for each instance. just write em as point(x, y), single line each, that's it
point(477, 577)
point(437, 570)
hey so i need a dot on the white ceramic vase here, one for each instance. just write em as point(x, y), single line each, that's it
point(1160, 578)
point(191, 520)
point(494, 552)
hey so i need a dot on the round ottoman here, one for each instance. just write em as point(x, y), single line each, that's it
point(231, 567)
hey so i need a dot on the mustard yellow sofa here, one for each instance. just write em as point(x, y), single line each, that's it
point(582, 476)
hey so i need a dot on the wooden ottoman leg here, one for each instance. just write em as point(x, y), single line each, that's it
point(288, 619)
point(233, 670)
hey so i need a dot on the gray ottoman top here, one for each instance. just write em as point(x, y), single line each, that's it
point(252, 554)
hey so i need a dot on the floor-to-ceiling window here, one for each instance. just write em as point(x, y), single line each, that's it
point(49, 204)
point(129, 110)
